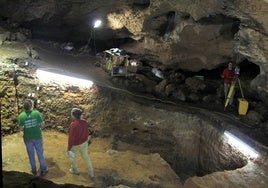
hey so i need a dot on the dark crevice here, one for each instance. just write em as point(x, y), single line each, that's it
point(102, 45)
point(169, 24)
point(171, 21)
point(61, 33)
point(208, 74)
point(216, 19)
point(3, 18)
point(249, 69)
point(184, 15)
point(230, 26)
point(16, 82)
point(142, 4)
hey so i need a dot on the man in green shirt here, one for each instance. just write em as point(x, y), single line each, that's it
point(31, 122)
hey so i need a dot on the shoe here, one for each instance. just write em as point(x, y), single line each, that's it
point(232, 105)
point(34, 172)
point(75, 172)
point(43, 172)
point(91, 176)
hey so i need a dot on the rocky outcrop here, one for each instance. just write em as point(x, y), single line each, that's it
point(251, 40)
point(188, 35)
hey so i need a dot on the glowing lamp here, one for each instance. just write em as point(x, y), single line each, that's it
point(47, 77)
point(240, 145)
point(97, 23)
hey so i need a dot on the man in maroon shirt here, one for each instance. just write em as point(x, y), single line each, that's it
point(228, 75)
point(78, 142)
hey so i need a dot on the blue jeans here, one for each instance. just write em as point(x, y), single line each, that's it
point(32, 146)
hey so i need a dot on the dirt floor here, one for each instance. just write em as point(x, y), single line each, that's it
point(15, 158)
point(108, 164)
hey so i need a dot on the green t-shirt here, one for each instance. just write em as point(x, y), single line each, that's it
point(31, 122)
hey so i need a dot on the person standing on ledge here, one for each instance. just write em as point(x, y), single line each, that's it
point(78, 142)
point(228, 75)
point(31, 123)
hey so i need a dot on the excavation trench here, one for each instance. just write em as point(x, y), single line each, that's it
point(192, 148)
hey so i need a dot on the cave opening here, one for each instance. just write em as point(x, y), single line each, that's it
point(248, 69)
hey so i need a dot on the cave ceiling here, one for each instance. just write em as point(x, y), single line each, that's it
point(190, 35)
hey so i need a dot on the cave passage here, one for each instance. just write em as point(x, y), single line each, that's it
point(249, 70)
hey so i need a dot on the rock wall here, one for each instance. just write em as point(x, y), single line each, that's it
point(251, 41)
point(189, 35)
point(9, 107)
point(54, 100)
point(173, 32)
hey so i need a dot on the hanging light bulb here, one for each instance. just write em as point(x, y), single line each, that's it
point(97, 23)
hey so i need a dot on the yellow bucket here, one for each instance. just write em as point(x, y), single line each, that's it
point(243, 106)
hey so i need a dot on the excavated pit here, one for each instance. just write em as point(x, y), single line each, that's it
point(193, 148)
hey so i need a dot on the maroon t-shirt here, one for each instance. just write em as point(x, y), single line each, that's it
point(78, 133)
point(228, 76)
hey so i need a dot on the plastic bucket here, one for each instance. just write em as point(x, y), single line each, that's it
point(243, 106)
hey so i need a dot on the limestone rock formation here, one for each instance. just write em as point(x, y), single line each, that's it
point(188, 35)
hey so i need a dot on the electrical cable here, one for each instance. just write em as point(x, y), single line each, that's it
point(102, 84)
point(230, 118)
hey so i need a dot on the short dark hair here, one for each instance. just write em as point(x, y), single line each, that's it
point(28, 105)
point(76, 113)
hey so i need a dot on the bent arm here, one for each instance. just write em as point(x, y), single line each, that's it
point(21, 128)
point(42, 124)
